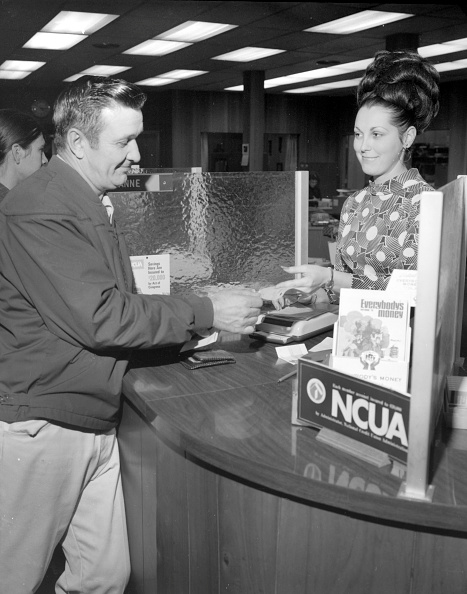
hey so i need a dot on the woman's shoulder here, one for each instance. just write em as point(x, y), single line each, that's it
point(415, 184)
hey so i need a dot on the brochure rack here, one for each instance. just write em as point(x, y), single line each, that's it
point(438, 322)
point(436, 336)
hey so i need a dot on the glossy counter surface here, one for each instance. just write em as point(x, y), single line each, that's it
point(237, 420)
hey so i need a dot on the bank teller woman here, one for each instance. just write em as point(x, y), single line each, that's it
point(21, 148)
point(397, 99)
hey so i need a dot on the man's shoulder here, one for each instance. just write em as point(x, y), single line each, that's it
point(47, 191)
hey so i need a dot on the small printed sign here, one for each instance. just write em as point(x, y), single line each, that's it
point(151, 274)
point(147, 182)
point(371, 414)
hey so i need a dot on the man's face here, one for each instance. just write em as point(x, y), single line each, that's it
point(106, 166)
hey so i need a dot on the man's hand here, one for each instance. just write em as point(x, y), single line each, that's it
point(236, 310)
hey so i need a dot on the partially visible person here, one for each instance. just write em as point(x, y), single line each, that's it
point(69, 322)
point(397, 99)
point(21, 148)
point(314, 189)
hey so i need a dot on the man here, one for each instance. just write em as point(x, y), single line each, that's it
point(68, 322)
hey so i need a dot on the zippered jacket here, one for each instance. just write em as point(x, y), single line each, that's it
point(69, 317)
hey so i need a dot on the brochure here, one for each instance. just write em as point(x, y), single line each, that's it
point(372, 337)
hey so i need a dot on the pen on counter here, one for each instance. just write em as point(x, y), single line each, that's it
point(281, 379)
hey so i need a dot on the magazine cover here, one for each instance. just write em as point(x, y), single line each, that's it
point(372, 337)
point(373, 322)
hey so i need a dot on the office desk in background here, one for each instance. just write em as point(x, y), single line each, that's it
point(317, 243)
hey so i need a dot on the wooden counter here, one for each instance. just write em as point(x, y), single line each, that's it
point(224, 494)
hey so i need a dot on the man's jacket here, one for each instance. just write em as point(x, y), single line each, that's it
point(69, 318)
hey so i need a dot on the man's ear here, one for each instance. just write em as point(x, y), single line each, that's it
point(18, 153)
point(76, 142)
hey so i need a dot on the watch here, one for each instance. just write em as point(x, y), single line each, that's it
point(40, 108)
point(329, 288)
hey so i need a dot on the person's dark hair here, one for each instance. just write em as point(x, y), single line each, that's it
point(406, 84)
point(314, 175)
point(16, 127)
point(80, 105)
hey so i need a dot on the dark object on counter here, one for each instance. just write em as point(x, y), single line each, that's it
point(207, 359)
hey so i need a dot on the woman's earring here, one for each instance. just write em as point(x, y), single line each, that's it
point(407, 153)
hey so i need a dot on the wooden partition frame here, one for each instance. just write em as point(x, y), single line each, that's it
point(438, 323)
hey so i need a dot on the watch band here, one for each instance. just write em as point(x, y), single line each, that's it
point(329, 287)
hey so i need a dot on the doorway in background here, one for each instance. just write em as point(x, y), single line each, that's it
point(221, 151)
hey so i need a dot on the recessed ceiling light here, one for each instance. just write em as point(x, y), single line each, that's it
point(318, 73)
point(156, 47)
point(447, 47)
point(360, 21)
point(340, 84)
point(248, 54)
point(22, 65)
point(454, 65)
point(98, 70)
point(53, 41)
point(182, 74)
point(83, 23)
point(156, 81)
point(14, 74)
point(194, 31)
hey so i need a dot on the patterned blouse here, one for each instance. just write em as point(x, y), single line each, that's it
point(378, 230)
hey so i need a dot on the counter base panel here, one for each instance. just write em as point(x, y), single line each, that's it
point(193, 530)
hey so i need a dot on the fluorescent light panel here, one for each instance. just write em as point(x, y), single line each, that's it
point(156, 81)
point(182, 74)
point(248, 54)
point(83, 23)
point(13, 74)
point(447, 47)
point(454, 65)
point(156, 47)
point(105, 70)
point(98, 70)
point(340, 84)
point(53, 41)
point(318, 73)
point(194, 31)
point(367, 19)
point(170, 77)
point(21, 65)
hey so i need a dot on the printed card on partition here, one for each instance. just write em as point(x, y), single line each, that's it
point(151, 274)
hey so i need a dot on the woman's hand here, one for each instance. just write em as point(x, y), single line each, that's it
point(313, 277)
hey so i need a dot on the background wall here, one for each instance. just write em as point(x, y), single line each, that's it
point(322, 124)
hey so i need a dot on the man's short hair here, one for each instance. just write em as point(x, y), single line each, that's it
point(80, 105)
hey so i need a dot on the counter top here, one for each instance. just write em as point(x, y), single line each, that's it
point(237, 419)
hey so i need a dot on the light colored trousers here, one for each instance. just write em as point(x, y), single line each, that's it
point(55, 484)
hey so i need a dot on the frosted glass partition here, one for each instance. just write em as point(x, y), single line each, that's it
point(220, 229)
